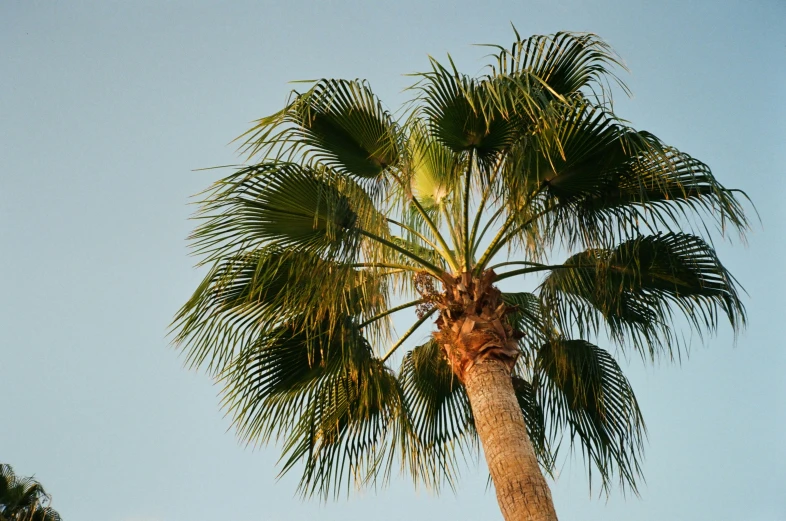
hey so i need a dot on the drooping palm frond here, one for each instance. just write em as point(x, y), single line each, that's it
point(527, 318)
point(598, 181)
point(246, 295)
point(535, 418)
point(438, 413)
point(582, 389)
point(335, 406)
point(634, 288)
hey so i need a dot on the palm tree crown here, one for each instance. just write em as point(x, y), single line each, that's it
point(23, 499)
point(351, 215)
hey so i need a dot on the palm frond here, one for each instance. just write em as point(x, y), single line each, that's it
point(338, 123)
point(323, 394)
point(602, 181)
point(466, 114)
point(565, 62)
point(439, 415)
point(634, 288)
point(661, 186)
point(535, 419)
point(526, 317)
point(23, 498)
point(434, 169)
point(282, 204)
point(245, 295)
point(582, 389)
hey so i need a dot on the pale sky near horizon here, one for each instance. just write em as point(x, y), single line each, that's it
point(106, 108)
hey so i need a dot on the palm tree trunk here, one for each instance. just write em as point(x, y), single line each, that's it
point(522, 492)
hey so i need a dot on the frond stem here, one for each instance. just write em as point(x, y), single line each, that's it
point(400, 267)
point(486, 228)
point(451, 259)
point(439, 250)
point(452, 229)
point(543, 267)
point(465, 228)
point(511, 263)
point(483, 198)
point(503, 237)
point(391, 311)
point(408, 334)
point(433, 227)
point(513, 233)
point(435, 270)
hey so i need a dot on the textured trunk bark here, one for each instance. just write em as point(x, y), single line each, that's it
point(522, 492)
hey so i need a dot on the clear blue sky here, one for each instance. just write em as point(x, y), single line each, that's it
point(107, 107)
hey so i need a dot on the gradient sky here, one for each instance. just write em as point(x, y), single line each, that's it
point(106, 108)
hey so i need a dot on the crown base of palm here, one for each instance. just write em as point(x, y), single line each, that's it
point(472, 325)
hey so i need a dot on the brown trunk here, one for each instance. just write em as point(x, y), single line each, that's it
point(481, 347)
point(522, 492)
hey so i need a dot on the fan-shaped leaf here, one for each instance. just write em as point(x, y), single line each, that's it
point(527, 318)
point(284, 204)
point(244, 296)
point(565, 62)
point(338, 123)
point(582, 388)
point(465, 114)
point(438, 411)
point(635, 286)
point(322, 391)
point(535, 420)
point(434, 170)
point(347, 126)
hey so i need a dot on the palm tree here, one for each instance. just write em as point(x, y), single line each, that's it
point(23, 499)
point(350, 215)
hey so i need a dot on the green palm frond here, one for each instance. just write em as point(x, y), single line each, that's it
point(282, 204)
point(245, 295)
point(467, 114)
point(23, 499)
point(337, 123)
point(45, 514)
point(599, 180)
point(349, 431)
point(635, 287)
point(582, 389)
point(564, 62)
point(527, 318)
point(421, 250)
point(439, 415)
point(434, 169)
point(324, 394)
point(664, 186)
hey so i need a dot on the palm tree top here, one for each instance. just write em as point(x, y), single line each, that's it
point(23, 499)
point(346, 215)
